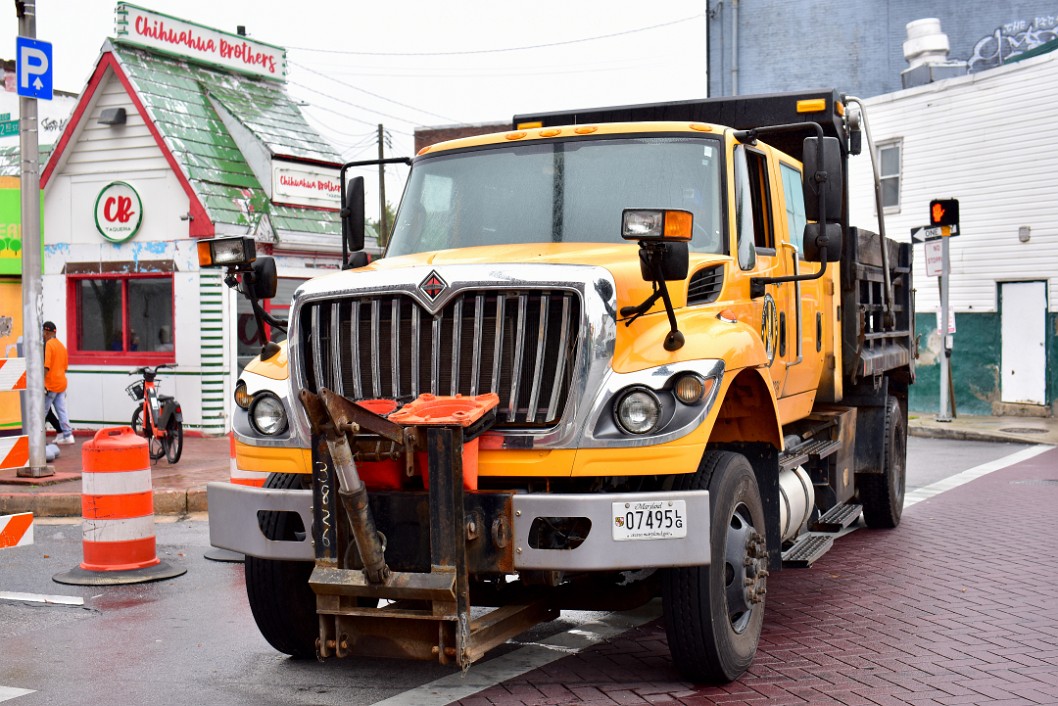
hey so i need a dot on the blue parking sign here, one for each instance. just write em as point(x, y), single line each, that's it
point(33, 68)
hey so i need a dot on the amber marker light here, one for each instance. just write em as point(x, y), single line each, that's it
point(530, 126)
point(585, 129)
point(727, 316)
point(678, 224)
point(812, 105)
point(550, 133)
point(701, 127)
point(515, 135)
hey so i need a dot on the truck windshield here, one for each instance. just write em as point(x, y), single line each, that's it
point(558, 192)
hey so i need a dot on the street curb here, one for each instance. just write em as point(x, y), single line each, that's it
point(167, 501)
point(962, 434)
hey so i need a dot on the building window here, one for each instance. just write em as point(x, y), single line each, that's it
point(889, 171)
point(121, 319)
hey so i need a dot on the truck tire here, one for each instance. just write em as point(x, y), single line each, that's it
point(882, 495)
point(282, 603)
point(714, 613)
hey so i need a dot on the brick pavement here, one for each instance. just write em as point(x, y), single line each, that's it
point(959, 605)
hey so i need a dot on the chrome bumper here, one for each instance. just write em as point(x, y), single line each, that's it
point(233, 525)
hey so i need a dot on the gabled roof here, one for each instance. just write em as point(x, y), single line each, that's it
point(177, 100)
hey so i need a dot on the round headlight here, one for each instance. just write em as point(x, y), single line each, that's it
point(637, 411)
point(268, 415)
point(242, 397)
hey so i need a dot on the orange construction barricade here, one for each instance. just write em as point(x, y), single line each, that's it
point(117, 510)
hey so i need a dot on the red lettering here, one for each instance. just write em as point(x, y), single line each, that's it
point(118, 209)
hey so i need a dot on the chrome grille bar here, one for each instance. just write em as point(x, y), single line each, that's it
point(560, 369)
point(479, 327)
point(317, 344)
point(376, 348)
point(457, 340)
point(354, 345)
point(538, 368)
point(498, 350)
point(519, 354)
point(435, 355)
point(336, 349)
point(394, 350)
point(416, 348)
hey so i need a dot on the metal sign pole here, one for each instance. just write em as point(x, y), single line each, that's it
point(945, 368)
point(33, 419)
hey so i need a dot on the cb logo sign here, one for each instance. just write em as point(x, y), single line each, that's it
point(119, 212)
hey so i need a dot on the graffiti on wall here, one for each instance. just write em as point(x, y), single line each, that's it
point(1012, 39)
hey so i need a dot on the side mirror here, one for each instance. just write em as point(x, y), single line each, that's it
point(669, 261)
point(265, 280)
point(353, 215)
point(359, 259)
point(826, 177)
point(818, 241)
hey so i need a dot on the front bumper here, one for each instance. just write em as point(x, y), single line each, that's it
point(233, 525)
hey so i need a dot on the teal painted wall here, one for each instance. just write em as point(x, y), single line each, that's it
point(975, 363)
point(976, 355)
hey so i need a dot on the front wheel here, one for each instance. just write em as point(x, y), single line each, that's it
point(154, 445)
point(714, 613)
point(281, 600)
point(173, 441)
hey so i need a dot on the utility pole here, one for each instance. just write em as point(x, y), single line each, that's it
point(383, 234)
point(29, 150)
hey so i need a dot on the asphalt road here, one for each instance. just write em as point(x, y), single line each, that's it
point(192, 640)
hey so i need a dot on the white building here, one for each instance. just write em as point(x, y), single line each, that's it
point(990, 140)
point(183, 132)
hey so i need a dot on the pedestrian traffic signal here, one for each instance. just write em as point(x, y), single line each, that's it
point(944, 212)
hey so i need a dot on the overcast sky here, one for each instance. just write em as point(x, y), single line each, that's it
point(410, 63)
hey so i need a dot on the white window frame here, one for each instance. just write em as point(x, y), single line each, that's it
point(898, 145)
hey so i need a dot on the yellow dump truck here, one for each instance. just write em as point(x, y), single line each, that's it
point(608, 355)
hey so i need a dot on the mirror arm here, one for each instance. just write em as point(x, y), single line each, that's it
point(757, 284)
point(244, 285)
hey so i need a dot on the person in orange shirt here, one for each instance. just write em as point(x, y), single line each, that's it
point(55, 364)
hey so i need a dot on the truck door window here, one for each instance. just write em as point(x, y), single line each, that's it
point(744, 222)
point(763, 232)
point(793, 195)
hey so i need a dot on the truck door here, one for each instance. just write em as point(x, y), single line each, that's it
point(761, 253)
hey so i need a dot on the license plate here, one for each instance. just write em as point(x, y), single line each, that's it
point(649, 519)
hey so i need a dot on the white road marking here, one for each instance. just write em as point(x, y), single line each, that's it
point(10, 692)
point(925, 493)
point(531, 656)
point(41, 598)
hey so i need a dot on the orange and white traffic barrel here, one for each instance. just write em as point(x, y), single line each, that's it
point(117, 511)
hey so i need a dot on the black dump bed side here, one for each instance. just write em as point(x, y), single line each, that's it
point(739, 112)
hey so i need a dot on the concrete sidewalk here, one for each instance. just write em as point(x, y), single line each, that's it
point(181, 488)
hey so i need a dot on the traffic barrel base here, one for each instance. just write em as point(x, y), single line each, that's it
point(117, 511)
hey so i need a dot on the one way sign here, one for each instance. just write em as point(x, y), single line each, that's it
point(33, 68)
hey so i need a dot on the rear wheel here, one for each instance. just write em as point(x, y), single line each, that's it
point(281, 600)
point(154, 444)
point(882, 495)
point(714, 614)
point(174, 439)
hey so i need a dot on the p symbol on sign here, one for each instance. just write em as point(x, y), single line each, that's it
point(33, 67)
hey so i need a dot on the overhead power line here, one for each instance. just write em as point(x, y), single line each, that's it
point(506, 49)
point(374, 95)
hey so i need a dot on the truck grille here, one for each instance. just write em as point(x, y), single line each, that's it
point(521, 345)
